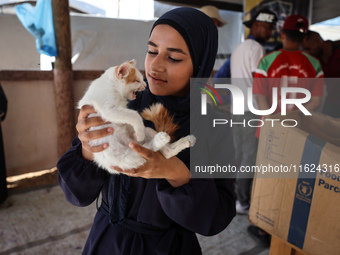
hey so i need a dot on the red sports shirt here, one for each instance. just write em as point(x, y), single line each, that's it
point(284, 68)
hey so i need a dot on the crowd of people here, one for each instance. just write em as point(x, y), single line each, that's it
point(303, 54)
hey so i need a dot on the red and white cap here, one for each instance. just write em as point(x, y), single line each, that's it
point(296, 22)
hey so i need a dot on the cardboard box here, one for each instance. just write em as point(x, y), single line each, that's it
point(302, 205)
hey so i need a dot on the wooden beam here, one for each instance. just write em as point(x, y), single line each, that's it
point(199, 3)
point(32, 75)
point(25, 75)
point(63, 76)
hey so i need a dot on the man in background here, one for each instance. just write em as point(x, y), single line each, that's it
point(214, 14)
point(284, 68)
point(289, 64)
point(328, 53)
point(244, 61)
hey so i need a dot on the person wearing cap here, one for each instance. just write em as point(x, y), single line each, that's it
point(289, 62)
point(328, 53)
point(244, 61)
point(214, 14)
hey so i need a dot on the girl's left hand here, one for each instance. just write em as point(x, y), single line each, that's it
point(158, 167)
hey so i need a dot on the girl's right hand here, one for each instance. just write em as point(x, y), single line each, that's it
point(84, 123)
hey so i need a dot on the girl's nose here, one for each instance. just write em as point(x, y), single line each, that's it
point(157, 65)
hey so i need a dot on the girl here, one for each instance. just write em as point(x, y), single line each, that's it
point(157, 208)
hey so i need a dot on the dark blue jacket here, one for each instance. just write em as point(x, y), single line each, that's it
point(161, 219)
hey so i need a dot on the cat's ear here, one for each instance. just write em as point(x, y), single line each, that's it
point(123, 70)
point(132, 62)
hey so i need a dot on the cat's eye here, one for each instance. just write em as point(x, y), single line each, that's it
point(137, 80)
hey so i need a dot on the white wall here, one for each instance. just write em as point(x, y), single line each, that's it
point(29, 130)
point(17, 45)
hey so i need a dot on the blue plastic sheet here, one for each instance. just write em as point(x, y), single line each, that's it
point(38, 21)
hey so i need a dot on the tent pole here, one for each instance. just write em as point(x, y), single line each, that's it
point(63, 76)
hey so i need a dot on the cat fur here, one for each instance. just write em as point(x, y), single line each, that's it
point(109, 95)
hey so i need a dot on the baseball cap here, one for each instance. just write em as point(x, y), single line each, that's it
point(297, 23)
point(263, 15)
point(213, 12)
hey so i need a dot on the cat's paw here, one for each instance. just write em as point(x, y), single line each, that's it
point(161, 139)
point(186, 142)
point(192, 140)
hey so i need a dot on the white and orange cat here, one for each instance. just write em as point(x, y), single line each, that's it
point(109, 95)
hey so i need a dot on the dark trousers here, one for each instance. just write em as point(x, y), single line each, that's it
point(3, 182)
point(245, 144)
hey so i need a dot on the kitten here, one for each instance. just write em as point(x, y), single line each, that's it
point(109, 95)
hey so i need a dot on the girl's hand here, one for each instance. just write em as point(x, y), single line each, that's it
point(84, 135)
point(157, 166)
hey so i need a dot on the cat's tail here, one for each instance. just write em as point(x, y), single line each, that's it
point(161, 118)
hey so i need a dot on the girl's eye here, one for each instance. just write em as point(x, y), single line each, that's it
point(152, 52)
point(170, 58)
point(175, 60)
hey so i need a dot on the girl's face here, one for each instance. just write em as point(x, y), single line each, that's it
point(168, 65)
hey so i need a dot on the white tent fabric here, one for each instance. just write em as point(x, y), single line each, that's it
point(98, 43)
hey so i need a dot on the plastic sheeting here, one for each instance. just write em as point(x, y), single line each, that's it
point(98, 43)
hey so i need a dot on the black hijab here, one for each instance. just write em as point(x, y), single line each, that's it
point(200, 35)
